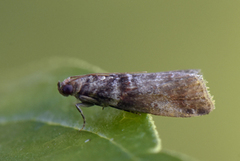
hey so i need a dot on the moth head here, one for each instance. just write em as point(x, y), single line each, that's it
point(65, 89)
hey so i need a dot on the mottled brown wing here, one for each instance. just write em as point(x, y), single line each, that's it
point(175, 93)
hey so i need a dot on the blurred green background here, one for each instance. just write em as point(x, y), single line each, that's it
point(131, 36)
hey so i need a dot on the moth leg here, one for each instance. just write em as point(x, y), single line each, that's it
point(78, 105)
point(88, 99)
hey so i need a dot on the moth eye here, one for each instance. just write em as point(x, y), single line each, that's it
point(67, 89)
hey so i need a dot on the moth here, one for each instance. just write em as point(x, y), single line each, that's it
point(181, 93)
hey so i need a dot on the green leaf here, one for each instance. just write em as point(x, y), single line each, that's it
point(37, 123)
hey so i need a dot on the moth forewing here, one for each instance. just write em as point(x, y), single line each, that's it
point(184, 96)
point(176, 93)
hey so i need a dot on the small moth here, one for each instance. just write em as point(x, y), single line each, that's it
point(181, 93)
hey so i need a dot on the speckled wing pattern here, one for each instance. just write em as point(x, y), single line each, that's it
point(175, 93)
